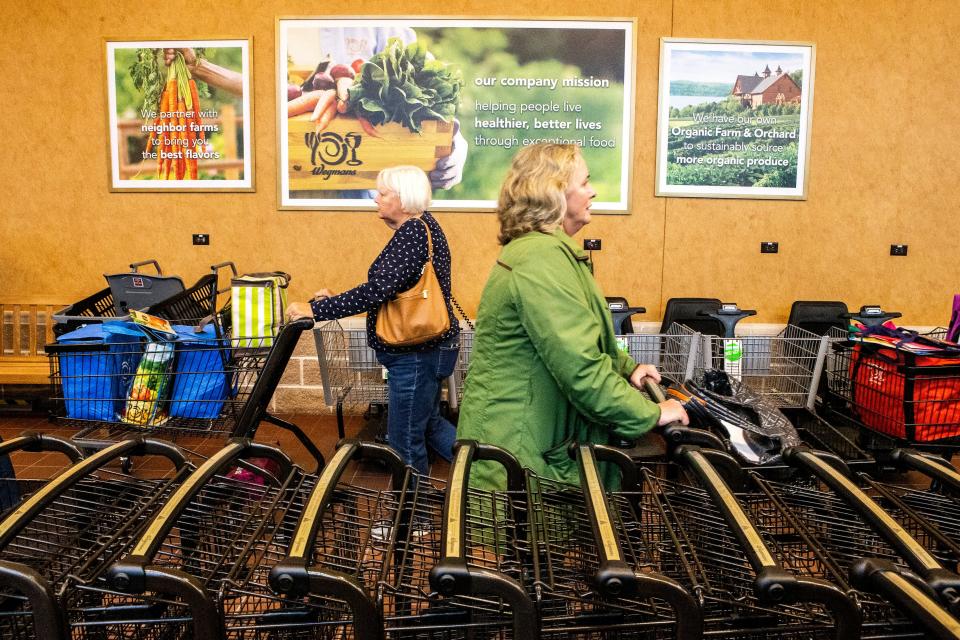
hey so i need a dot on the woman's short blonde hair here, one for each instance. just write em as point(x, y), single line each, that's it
point(533, 195)
point(411, 184)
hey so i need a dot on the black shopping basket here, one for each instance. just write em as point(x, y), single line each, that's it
point(124, 291)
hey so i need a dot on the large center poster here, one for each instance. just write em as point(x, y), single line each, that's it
point(454, 97)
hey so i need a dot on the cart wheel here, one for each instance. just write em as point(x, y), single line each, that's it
point(125, 464)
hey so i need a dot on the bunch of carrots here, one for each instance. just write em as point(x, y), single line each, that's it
point(177, 127)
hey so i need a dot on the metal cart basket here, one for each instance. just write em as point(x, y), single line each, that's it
point(212, 388)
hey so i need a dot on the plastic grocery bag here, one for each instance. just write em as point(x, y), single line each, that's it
point(95, 380)
point(145, 401)
point(201, 379)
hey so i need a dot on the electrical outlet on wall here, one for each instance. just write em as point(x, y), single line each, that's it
point(201, 239)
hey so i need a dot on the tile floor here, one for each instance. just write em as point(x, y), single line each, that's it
point(322, 430)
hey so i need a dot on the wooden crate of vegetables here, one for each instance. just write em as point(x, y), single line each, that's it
point(345, 124)
point(345, 156)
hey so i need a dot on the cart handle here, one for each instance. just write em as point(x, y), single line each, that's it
point(907, 592)
point(944, 582)
point(222, 265)
point(931, 466)
point(614, 577)
point(458, 486)
point(773, 583)
point(17, 519)
point(451, 575)
point(37, 442)
point(679, 434)
point(129, 574)
point(134, 266)
point(48, 618)
point(629, 475)
point(292, 574)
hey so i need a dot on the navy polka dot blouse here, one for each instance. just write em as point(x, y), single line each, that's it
point(396, 269)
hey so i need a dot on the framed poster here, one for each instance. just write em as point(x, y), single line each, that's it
point(180, 115)
point(734, 119)
point(456, 97)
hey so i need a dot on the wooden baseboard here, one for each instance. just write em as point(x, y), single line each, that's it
point(24, 370)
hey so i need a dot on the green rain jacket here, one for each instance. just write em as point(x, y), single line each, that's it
point(545, 369)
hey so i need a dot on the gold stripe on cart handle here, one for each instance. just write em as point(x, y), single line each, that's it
point(929, 606)
point(743, 522)
point(198, 476)
point(329, 475)
point(80, 468)
point(454, 542)
point(596, 496)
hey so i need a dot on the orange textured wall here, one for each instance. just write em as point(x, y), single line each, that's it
point(882, 167)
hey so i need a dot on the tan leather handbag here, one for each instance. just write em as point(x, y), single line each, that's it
point(418, 314)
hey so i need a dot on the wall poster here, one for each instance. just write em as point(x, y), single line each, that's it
point(455, 97)
point(734, 119)
point(180, 115)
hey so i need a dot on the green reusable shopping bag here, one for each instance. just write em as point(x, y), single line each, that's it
point(257, 302)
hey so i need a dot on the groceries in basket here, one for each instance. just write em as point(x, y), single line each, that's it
point(126, 372)
point(905, 384)
point(258, 302)
point(758, 432)
point(149, 389)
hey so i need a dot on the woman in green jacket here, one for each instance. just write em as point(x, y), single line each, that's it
point(545, 369)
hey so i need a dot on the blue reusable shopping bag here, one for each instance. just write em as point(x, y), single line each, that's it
point(201, 381)
point(95, 383)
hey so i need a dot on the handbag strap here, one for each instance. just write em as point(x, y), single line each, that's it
point(429, 240)
point(430, 259)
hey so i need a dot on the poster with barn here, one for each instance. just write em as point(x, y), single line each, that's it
point(180, 115)
point(455, 97)
point(734, 119)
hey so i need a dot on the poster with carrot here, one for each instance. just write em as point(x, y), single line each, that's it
point(180, 115)
point(455, 97)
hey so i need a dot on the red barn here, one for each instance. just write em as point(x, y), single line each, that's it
point(771, 88)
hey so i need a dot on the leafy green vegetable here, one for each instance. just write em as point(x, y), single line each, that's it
point(149, 76)
point(406, 85)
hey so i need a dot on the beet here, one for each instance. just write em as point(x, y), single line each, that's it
point(322, 81)
point(293, 92)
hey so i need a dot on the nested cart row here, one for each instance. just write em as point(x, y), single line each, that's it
point(208, 551)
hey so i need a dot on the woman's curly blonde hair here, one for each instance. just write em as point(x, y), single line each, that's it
point(533, 195)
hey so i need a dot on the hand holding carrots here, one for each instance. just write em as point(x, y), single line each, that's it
point(324, 105)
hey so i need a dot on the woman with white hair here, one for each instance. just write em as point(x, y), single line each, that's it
point(415, 372)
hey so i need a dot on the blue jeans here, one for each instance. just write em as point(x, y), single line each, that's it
point(413, 414)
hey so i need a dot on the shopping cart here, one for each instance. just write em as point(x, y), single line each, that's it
point(743, 585)
point(14, 488)
point(59, 539)
point(351, 376)
point(214, 528)
point(361, 558)
point(348, 546)
point(811, 532)
point(890, 399)
point(847, 524)
point(213, 390)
